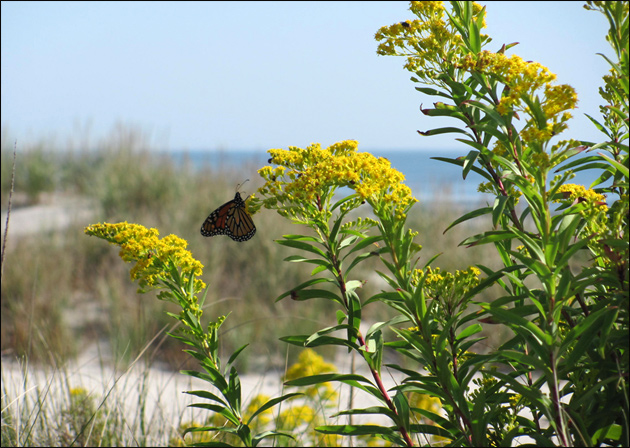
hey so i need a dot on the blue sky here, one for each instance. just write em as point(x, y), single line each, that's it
point(255, 75)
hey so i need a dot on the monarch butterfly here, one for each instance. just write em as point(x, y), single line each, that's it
point(230, 219)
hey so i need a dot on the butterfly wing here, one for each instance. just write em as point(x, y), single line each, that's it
point(230, 219)
point(240, 225)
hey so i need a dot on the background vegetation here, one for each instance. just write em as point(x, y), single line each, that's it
point(50, 276)
point(62, 292)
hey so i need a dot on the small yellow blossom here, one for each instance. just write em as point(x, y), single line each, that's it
point(312, 175)
point(447, 287)
point(154, 257)
point(594, 211)
point(310, 363)
point(430, 42)
point(78, 392)
point(578, 193)
point(436, 54)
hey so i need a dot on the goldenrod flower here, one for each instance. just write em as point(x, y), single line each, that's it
point(155, 258)
point(434, 48)
point(310, 363)
point(311, 176)
point(447, 287)
point(431, 43)
point(594, 212)
point(575, 192)
point(296, 416)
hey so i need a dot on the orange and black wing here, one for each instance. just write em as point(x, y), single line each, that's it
point(230, 219)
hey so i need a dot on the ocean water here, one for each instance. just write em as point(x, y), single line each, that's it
point(430, 180)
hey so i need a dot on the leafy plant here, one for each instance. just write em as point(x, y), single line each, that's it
point(561, 378)
point(166, 266)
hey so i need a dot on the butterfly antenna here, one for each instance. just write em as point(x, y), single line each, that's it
point(241, 184)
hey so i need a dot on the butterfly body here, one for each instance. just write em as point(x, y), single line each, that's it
point(230, 219)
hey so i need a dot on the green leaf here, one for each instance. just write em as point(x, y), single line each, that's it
point(521, 324)
point(469, 162)
point(621, 168)
point(402, 407)
point(373, 350)
point(225, 412)
point(479, 416)
point(329, 340)
point(432, 92)
point(599, 126)
point(379, 325)
point(533, 394)
point(488, 237)
point(365, 242)
point(350, 379)
point(244, 434)
point(353, 284)
point(207, 395)
point(301, 258)
point(374, 410)
point(302, 246)
point(358, 260)
point(584, 333)
point(235, 355)
point(460, 162)
point(233, 392)
point(445, 130)
point(526, 360)
point(263, 435)
point(537, 266)
point(224, 429)
point(306, 284)
point(339, 203)
point(474, 37)
point(531, 244)
point(321, 268)
point(469, 331)
point(216, 379)
point(358, 430)
point(612, 432)
point(298, 339)
point(498, 209)
point(491, 112)
point(307, 294)
point(271, 403)
point(468, 216)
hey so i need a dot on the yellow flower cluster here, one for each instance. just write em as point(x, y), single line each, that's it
point(520, 76)
point(515, 400)
point(430, 43)
point(433, 47)
point(447, 287)
point(594, 212)
point(523, 79)
point(78, 392)
point(154, 257)
point(295, 416)
point(575, 192)
point(313, 174)
point(310, 363)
